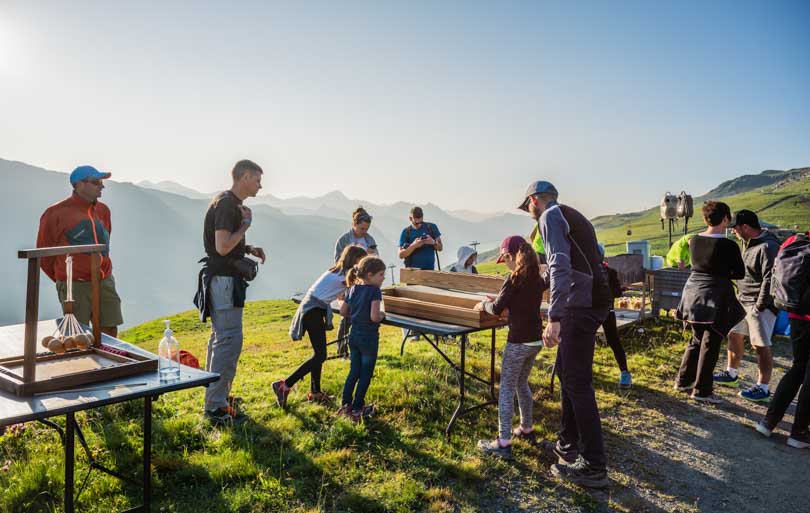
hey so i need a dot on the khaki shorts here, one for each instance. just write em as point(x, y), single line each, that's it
point(758, 326)
point(82, 306)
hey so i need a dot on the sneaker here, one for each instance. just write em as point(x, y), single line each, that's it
point(581, 474)
point(225, 416)
point(368, 411)
point(713, 398)
point(756, 393)
point(495, 448)
point(799, 440)
point(625, 380)
point(281, 391)
point(679, 388)
point(553, 451)
point(344, 411)
point(725, 379)
point(356, 416)
point(530, 437)
point(320, 397)
point(763, 429)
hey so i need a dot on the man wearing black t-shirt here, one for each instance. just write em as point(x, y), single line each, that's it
point(226, 222)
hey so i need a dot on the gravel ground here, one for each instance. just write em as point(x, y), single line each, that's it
point(669, 454)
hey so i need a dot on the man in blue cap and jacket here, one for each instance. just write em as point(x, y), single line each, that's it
point(579, 302)
point(77, 220)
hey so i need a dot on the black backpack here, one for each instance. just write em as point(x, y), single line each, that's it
point(790, 280)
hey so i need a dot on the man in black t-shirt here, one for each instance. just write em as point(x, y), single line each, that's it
point(226, 222)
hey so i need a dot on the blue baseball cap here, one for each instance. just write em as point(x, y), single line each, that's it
point(87, 172)
point(537, 187)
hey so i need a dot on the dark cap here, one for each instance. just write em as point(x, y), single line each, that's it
point(537, 187)
point(745, 217)
point(510, 245)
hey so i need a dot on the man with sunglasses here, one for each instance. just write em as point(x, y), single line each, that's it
point(420, 243)
point(77, 220)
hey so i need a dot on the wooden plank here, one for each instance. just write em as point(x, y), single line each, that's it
point(95, 297)
point(31, 321)
point(61, 250)
point(452, 281)
point(432, 297)
point(440, 313)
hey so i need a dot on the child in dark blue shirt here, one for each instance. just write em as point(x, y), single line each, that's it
point(363, 304)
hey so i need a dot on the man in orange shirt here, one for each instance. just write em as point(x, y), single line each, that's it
point(77, 220)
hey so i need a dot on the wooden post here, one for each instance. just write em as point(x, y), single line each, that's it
point(31, 320)
point(95, 285)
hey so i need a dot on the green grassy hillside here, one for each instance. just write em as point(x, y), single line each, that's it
point(306, 460)
point(785, 205)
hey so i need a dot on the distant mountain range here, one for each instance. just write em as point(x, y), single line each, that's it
point(157, 239)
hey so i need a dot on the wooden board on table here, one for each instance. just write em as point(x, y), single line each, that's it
point(441, 308)
point(453, 281)
point(72, 369)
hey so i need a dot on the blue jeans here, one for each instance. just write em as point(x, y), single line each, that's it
point(363, 359)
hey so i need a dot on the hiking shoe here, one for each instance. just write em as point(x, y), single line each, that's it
point(680, 388)
point(581, 474)
point(495, 448)
point(356, 416)
point(756, 393)
point(320, 397)
point(530, 437)
point(225, 417)
point(711, 398)
point(553, 451)
point(725, 379)
point(281, 391)
point(344, 411)
point(799, 440)
point(625, 380)
point(368, 411)
point(763, 429)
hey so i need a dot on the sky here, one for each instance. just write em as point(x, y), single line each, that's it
point(461, 104)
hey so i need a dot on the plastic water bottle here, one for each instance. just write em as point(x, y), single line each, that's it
point(169, 356)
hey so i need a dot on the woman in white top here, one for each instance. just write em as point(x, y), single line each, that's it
point(314, 316)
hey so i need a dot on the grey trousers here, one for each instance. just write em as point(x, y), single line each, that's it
point(516, 366)
point(225, 342)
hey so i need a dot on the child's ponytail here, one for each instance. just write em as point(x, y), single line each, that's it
point(352, 276)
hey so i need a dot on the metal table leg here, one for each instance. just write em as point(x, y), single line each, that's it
point(461, 386)
point(69, 460)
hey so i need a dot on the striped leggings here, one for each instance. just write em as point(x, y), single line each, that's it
point(515, 368)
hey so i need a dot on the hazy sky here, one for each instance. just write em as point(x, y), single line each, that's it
point(458, 103)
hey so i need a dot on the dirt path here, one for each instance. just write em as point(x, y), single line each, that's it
point(669, 454)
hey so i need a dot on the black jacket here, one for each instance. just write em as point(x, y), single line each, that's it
point(758, 255)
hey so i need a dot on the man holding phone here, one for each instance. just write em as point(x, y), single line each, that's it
point(420, 243)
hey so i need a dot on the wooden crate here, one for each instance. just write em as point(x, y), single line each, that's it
point(457, 281)
point(439, 305)
point(71, 369)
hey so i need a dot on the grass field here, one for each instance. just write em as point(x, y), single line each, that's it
point(306, 460)
point(786, 206)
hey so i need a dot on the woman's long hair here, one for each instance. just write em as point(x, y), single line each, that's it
point(527, 266)
point(368, 265)
point(348, 259)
